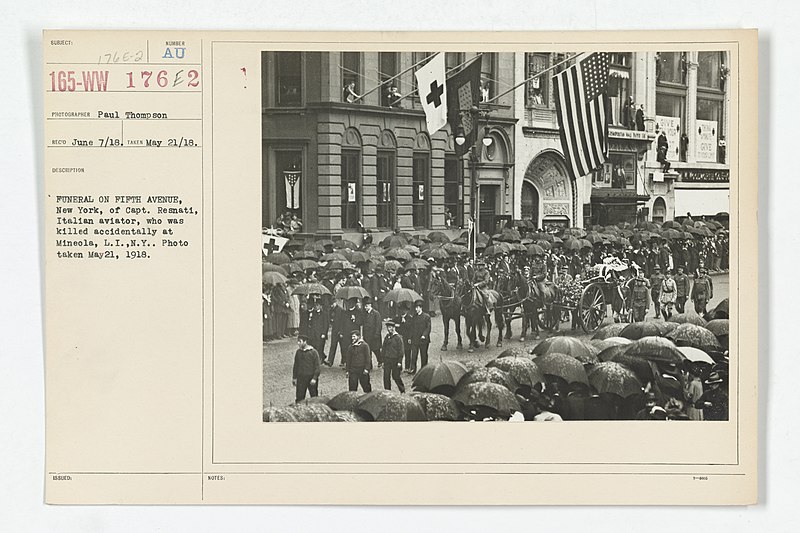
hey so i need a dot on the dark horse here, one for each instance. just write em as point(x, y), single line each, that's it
point(449, 304)
point(533, 302)
point(476, 306)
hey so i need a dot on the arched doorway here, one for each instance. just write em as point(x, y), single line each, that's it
point(659, 210)
point(530, 203)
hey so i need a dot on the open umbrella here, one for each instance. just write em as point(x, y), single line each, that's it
point(438, 236)
point(312, 288)
point(280, 414)
point(514, 351)
point(340, 265)
point(314, 246)
point(315, 412)
point(436, 253)
point(656, 349)
point(344, 401)
point(522, 369)
point(720, 328)
point(614, 378)
point(402, 295)
point(638, 330)
point(291, 268)
point(610, 330)
point(602, 344)
point(312, 400)
point(721, 310)
point(489, 375)
point(273, 278)
point(610, 352)
point(566, 345)
point(696, 355)
point(352, 291)
point(562, 366)
point(417, 264)
point(358, 257)
point(305, 254)
point(392, 265)
point(278, 258)
point(434, 376)
point(491, 395)
point(691, 335)
point(687, 318)
point(394, 241)
point(335, 256)
point(535, 249)
point(665, 327)
point(643, 368)
point(454, 248)
point(343, 243)
point(390, 406)
point(348, 416)
point(437, 406)
point(398, 254)
point(325, 243)
point(545, 245)
point(272, 267)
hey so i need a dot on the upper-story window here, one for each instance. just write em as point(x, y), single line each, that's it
point(623, 108)
point(288, 79)
point(351, 77)
point(671, 67)
point(390, 84)
point(489, 88)
point(709, 137)
point(537, 90)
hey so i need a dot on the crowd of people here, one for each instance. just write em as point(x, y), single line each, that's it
point(649, 265)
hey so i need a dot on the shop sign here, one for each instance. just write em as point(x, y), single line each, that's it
point(705, 176)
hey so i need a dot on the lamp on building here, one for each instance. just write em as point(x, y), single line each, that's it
point(460, 138)
point(487, 139)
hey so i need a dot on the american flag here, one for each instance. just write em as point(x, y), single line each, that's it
point(581, 94)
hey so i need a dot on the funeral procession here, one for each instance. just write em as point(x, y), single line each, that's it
point(466, 236)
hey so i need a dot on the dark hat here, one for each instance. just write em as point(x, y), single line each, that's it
point(650, 396)
point(302, 338)
point(656, 267)
point(419, 303)
point(367, 299)
point(356, 332)
point(390, 323)
point(713, 378)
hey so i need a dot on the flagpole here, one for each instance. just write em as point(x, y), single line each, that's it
point(394, 77)
point(523, 82)
point(415, 91)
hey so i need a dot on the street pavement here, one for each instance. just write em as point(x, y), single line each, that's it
point(278, 356)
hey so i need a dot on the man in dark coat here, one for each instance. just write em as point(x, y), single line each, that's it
point(392, 354)
point(655, 288)
point(305, 372)
point(420, 336)
point(702, 291)
point(346, 317)
point(317, 323)
point(640, 118)
point(403, 320)
point(714, 401)
point(663, 150)
point(358, 363)
point(372, 329)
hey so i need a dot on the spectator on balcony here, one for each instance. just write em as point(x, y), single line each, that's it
point(640, 118)
point(663, 148)
point(393, 97)
point(628, 112)
point(349, 93)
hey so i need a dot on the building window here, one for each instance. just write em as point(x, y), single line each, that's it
point(452, 185)
point(419, 59)
point(288, 79)
point(351, 76)
point(619, 90)
point(453, 60)
point(621, 170)
point(709, 65)
point(289, 183)
point(537, 93)
point(420, 199)
point(351, 188)
point(389, 68)
point(386, 189)
point(489, 88)
point(659, 210)
point(671, 67)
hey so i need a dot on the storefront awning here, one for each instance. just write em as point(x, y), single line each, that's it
point(619, 73)
point(707, 202)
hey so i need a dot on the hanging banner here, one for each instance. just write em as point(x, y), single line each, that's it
point(351, 192)
point(706, 141)
point(272, 243)
point(672, 127)
point(292, 182)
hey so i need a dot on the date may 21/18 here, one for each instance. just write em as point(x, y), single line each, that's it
point(98, 80)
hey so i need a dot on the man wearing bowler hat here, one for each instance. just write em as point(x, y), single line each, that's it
point(420, 333)
point(392, 355)
point(372, 328)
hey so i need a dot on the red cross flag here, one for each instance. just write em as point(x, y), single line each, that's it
point(433, 92)
point(272, 243)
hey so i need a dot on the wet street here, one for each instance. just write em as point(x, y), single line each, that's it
point(279, 355)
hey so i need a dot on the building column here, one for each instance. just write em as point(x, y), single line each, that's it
point(691, 105)
point(726, 108)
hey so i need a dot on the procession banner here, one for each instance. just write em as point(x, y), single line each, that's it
point(164, 154)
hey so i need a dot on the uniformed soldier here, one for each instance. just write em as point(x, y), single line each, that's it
point(656, 279)
point(702, 291)
point(682, 287)
point(639, 296)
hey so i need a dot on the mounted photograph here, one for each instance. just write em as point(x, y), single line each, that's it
point(496, 236)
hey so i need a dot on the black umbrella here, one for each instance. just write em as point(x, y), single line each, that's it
point(656, 349)
point(491, 395)
point(436, 406)
point(489, 375)
point(390, 406)
point(433, 376)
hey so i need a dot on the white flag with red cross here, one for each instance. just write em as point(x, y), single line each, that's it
point(433, 92)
